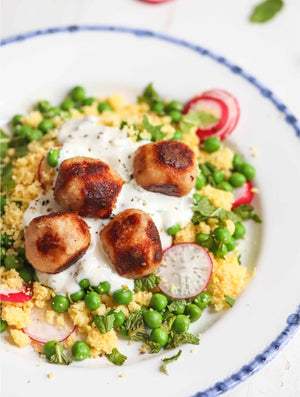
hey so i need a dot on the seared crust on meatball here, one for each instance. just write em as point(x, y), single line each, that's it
point(133, 244)
point(167, 167)
point(54, 242)
point(87, 186)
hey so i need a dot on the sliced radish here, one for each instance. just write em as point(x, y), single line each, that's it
point(40, 331)
point(185, 270)
point(44, 168)
point(154, 1)
point(243, 195)
point(16, 296)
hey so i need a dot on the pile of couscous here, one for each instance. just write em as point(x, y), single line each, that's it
point(23, 179)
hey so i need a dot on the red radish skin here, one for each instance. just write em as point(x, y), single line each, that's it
point(179, 274)
point(243, 195)
point(42, 332)
point(21, 296)
point(155, 1)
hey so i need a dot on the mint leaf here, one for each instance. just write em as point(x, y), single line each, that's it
point(104, 323)
point(173, 306)
point(203, 210)
point(58, 357)
point(4, 141)
point(154, 347)
point(265, 11)
point(168, 361)
point(134, 327)
point(229, 300)
point(245, 212)
point(154, 130)
point(7, 181)
point(116, 357)
point(22, 150)
point(146, 283)
point(176, 340)
point(196, 119)
point(149, 95)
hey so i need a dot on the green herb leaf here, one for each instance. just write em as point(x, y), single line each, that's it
point(116, 357)
point(196, 119)
point(149, 95)
point(203, 210)
point(207, 170)
point(58, 357)
point(168, 361)
point(134, 327)
point(4, 141)
point(154, 347)
point(7, 181)
point(176, 340)
point(22, 150)
point(265, 11)
point(229, 300)
point(123, 124)
point(173, 306)
point(239, 259)
point(245, 212)
point(154, 130)
point(146, 283)
point(104, 323)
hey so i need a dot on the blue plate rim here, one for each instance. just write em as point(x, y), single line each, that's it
point(293, 320)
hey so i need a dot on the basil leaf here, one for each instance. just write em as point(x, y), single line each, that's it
point(265, 11)
point(7, 181)
point(4, 141)
point(196, 119)
point(155, 130)
point(229, 300)
point(176, 340)
point(134, 328)
point(104, 323)
point(168, 361)
point(146, 283)
point(116, 357)
point(149, 95)
point(245, 212)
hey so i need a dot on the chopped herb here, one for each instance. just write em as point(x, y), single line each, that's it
point(104, 323)
point(176, 340)
point(123, 124)
point(266, 10)
point(207, 170)
point(58, 357)
point(154, 130)
point(149, 95)
point(196, 119)
point(7, 181)
point(21, 150)
point(116, 357)
point(146, 283)
point(154, 347)
point(134, 328)
point(166, 315)
point(167, 361)
point(203, 210)
point(245, 212)
point(4, 141)
point(229, 300)
point(173, 306)
point(239, 259)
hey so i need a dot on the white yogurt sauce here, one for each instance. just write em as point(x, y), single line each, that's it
point(113, 146)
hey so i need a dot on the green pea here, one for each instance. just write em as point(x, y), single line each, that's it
point(77, 296)
point(152, 319)
point(3, 253)
point(201, 238)
point(218, 176)
point(84, 283)
point(193, 311)
point(119, 317)
point(104, 107)
point(247, 170)
point(78, 93)
point(200, 181)
point(221, 252)
point(197, 197)
point(237, 179)
point(60, 303)
point(17, 119)
point(173, 229)
point(231, 244)
point(67, 104)
point(92, 300)
point(46, 125)
point(237, 162)
point(212, 144)
point(35, 135)
point(160, 336)
point(175, 116)
point(225, 186)
point(88, 101)
point(159, 301)
point(122, 296)
point(177, 136)
point(222, 234)
point(174, 105)
point(43, 106)
point(181, 323)
point(54, 111)
point(52, 157)
point(3, 325)
point(13, 262)
point(202, 300)
point(49, 348)
point(24, 131)
point(26, 273)
point(103, 287)
point(158, 107)
point(239, 230)
point(3, 203)
point(80, 350)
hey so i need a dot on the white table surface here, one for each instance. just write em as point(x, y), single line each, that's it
point(270, 52)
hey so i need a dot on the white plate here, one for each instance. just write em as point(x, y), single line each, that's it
point(238, 342)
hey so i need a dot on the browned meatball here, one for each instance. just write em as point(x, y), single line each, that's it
point(166, 167)
point(133, 244)
point(87, 186)
point(56, 241)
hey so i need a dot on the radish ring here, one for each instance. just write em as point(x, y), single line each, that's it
point(155, 1)
point(243, 195)
point(20, 296)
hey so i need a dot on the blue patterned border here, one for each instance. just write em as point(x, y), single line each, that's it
point(293, 321)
